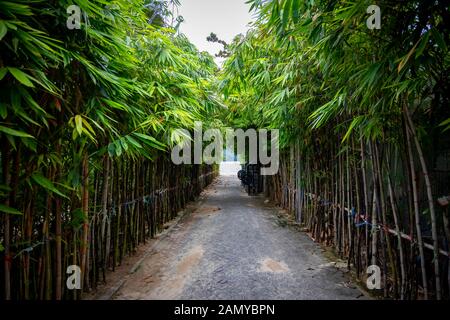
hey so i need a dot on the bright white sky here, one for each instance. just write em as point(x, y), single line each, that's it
point(226, 18)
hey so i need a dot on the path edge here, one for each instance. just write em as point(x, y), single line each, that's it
point(109, 294)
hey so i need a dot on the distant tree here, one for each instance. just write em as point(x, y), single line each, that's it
point(225, 53)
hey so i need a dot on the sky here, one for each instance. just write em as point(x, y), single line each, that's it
point(226, 18)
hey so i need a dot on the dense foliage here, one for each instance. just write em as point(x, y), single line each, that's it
point(87, 117)
point(80, 110)
point(364, 118)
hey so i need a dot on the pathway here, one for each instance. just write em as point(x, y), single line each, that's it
point(232, 246)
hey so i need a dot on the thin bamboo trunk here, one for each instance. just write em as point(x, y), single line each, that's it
point(417, 216)
point(85, 209)
point(58, 236)
point(366, 199)
point(7, 226)
point(349, 206)
point(397, 229)
point(426, 176)
point(387, 239)
point(104, 203)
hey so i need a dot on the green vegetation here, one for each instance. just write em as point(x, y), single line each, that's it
point(87, 115)
point(86, 122)
point(363, 116)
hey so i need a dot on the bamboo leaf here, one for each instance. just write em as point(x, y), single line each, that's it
point(14, 132)
point(445, 124)
point(355, 122)
point(79, 124)
point(9, 210)
point(118, 148)
point(134, 142)
point(404, 61)
point(111, 150)
point(88, 126)
point(150, 141)
point(422, 45)
point(46, 183)
point(21, 76)
point(3, 72)
point(3, 31)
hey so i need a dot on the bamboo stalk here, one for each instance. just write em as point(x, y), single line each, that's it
point(386, 239)
point(85, 209)
point(58, 235)
point(7, 225)
point(430, 203)
point(104, 202)
point(417, 216)
point(397, 229)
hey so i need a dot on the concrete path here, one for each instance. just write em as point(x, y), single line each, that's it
point(233, 246)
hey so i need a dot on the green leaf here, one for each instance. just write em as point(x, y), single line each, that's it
point(295, 10)
point(21, 76)
point(445, 124)
point(88, 126)
point(115, 105)
point(406, 58)
point(422, 45)
point(111, 150)
point(150, 140)
point(124, 144)
point(90, 136)
point(30, 144)
point(134, 142)
point(3, 72)
point(47, 184)
point(9, 210)
point(16, 133)
point(3, 31)
point(286, 13)
point(356, 121)
point(79, 124)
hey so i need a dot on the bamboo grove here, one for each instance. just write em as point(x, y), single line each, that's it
point(364, 118)
point(85, 130)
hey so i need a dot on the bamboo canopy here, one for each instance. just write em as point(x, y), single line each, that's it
point(87, 117)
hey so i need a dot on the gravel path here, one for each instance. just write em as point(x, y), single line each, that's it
point(233, 246)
